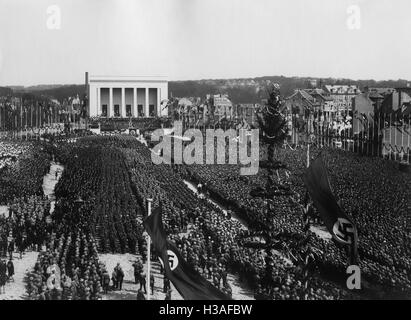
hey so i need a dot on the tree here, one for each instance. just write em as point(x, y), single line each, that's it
point(272, 122)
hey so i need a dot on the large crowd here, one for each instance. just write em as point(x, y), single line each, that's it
point(21, 179)
point(213, 242)
point(101, 202)
point(95, 194)
point(23, 166)
point(26, 225)
point(371, 190)
point(68, 270)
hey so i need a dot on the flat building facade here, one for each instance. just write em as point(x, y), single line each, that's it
point(125, 97)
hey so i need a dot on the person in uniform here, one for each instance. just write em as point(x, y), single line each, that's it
point(140, 295)
point(11, 249)
point(120, 276)
point(168, 295)
point(166, 284)
point(2, 276)
point(105, 281)
point(137, 271)
point(143, 282)
point(114, 279)
point(10, 270)
point(152, 284)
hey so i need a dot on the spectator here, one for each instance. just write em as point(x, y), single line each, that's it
point(10, 270)
point(143, 282)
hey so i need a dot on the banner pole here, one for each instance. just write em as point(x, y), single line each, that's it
point(149, 201)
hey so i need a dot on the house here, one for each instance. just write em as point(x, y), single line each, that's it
point(397, 102)
point(377, 95)
point(362, 110)
point(381, 91)
point(327, 108)
point(302, 107)
point(342, 96)
point(223, 107)
point(301, 103)
point(247, 112)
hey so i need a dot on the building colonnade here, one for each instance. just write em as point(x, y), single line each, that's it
point(141, 102)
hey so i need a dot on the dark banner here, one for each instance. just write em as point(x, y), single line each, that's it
point(189, 283)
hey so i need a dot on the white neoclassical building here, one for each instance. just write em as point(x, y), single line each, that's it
point(127, 96)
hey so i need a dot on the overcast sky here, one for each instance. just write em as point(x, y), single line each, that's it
point(198, 39)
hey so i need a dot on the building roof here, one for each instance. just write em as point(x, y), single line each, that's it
point(185, 102)
point(318, 93)
point(111, 78)
point(375, 95)
point(342, 89)
point(306, 96)
point(382, 91)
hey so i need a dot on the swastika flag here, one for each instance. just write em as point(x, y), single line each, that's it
point(336, 220)
point(189, 283)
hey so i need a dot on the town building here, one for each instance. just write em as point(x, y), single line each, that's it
point(398, 102)
point(362, 110)
point(325, 103)
point(126, 96)
point(247, 112)
point(301, 103)
point(223, 107)
point(342, 97)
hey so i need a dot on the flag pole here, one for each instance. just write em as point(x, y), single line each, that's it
point(306, 227)
point(149, 201)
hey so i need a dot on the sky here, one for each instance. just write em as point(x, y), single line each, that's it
point(203, 39)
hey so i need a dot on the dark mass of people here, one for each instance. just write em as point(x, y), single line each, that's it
point(371, 190)
point(101, 201)
point(22, 167)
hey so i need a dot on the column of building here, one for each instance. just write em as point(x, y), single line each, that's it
point(147, 109)
point(158, 102)
point(134, 106)
point(110, 109)
point(134, 112)
point(99, 111)
point(123, 112)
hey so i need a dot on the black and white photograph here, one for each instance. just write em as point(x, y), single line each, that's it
point(234, 150)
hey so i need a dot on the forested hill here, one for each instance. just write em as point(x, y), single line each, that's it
point(245, 90)
point(251, 90)
point(5, 91)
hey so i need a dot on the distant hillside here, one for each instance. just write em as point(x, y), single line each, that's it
point(242, 90)
point(251, 90)
point(63, 92)
point(4, 91)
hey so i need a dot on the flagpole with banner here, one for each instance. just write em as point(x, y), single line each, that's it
point(338, 223)
point(187, 280)
point(149, 202)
